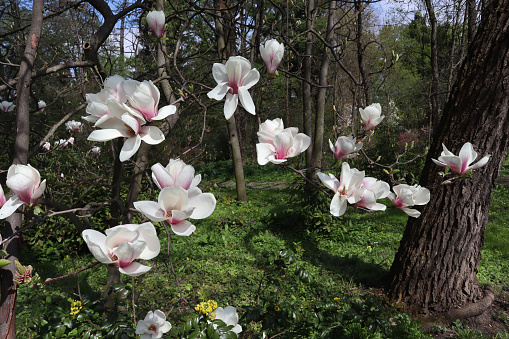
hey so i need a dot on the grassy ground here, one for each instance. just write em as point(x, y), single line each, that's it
point(275, 267)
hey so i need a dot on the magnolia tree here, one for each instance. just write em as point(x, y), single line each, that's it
point(129, 110)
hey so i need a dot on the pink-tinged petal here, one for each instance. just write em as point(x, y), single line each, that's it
point(96, 243)
point(104, 135)
point(392, 197)
point(145, 104)
point(251, 78)
point(3, 200)
point(156, 22)
point(161, 177)
point(22, 186)
point(220, 73)
point(185, 177)
point(10, 206)
point(38, 192)
point(218, 92)
point(183, 228)
point(467, 155)
point(338, 205)
point(230, 105)
point(134, 269)
point(165, 112)
point(130, 147)
point(355, 196)
point(246, 100)
point(446, 151)
point(263, 151)
point(204, 204)
point(439, 163)
point(127, 252)
point(332, 148)
point(481, 162)
point(151, 210)
point(454, 162)
point(282, 142)
point(148, 234)
point(118, 235)
point(152, 135)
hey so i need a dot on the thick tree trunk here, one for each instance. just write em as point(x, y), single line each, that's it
point(437, 262)
point(306, 85)
point(21, 144)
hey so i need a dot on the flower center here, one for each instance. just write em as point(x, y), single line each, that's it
point(130, 132)
point(153, 328)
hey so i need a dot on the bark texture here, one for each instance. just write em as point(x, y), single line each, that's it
point(437, 262)
point(21, 144)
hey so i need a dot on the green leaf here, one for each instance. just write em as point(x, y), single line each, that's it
point(4, 262)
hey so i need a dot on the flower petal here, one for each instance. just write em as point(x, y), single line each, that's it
point(246, 100)
point(134, 269)
point(183, 228)
point(151, 210)
point(230, 105)
point(204, 204)
point(130, 147)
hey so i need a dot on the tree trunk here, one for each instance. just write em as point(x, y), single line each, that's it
point(322, 91)
point(437, 262)
point(21, 144)
point(434, 66)
point(306, 85)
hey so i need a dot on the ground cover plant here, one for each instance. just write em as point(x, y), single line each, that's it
point(283, 276)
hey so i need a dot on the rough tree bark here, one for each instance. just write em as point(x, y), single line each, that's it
point(21, 144)
point(437, 262)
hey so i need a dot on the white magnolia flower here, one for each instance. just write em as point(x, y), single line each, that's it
point(373, 190)
point(143, 98)
point(460, 164)
point(408, 196)
point(95, 150)
point(279, 144)
point(371, 116)
point(25, 183)
point(123, 244)
point(230, 317)
point(73, 125)
point(41, 105)
point(346, 147)
point(7, 106)
point(130, 128)
point(272, 54)
point(234, 79)
point(153, 326)
point(97, 107)
point(176, 174)
point(347, 189)
point(156, 21)
point(175, 205)
point(46, 146)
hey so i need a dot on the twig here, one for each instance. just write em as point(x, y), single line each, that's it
point(171, 263)
point(71, 274)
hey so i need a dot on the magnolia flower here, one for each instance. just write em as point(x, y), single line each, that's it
point(346, 189)
point(123, 244)
point(61, 143)
point(287, 143)
point(97, 107)
point(269, 129)
point(175, 205)
point(46, 146)
point(73, 125)
point(233, 80)
point(128, 127)
point(371, 116)
point(460, 164)
point(155, 20)
point(272, 54)
point(3, 200)
point(230, 317)
point(408, 196)
point(95, 150)
point(41, 105)
point(373, 190)
point(176, 174)
point(345, 147)
point(7, 106)
point(144, 100)
point(71, 140)
point(153, 326)
point(25, 182)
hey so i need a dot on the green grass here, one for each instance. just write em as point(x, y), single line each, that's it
point(263, 256)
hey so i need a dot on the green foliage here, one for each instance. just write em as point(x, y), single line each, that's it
point(88, 318)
